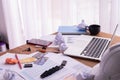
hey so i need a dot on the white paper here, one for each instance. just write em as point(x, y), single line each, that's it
point(71, 67)
point(76, 44)
point(35, 72)
point(14, 67)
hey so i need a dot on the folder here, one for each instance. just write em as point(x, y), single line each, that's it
point(71, 30)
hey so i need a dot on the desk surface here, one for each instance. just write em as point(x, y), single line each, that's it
point(90, 63)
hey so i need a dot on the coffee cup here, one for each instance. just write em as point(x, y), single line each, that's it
point(94, 29)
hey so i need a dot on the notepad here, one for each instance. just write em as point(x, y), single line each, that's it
point(71, 30)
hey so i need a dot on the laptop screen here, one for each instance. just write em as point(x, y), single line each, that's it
point(113, 35)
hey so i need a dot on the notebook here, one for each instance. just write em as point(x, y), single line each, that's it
point(85, 46)
point(71, 30)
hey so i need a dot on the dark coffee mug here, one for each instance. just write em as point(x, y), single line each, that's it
point(94, 29)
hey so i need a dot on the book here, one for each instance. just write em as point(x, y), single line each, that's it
point(71, 30)
point(39, 42)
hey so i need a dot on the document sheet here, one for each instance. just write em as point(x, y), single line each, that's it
point(34, 72)
point(14, 67)
point(71, 67)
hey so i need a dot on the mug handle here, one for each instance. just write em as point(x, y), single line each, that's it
point(86, 27)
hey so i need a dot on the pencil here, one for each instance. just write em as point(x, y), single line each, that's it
point(19, 64)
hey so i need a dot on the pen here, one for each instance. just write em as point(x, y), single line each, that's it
point(19, 64)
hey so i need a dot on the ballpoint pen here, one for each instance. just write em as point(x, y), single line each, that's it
point(19, 64)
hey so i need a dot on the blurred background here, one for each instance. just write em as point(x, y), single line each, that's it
point(21, 20)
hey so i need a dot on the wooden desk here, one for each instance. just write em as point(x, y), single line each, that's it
point(90, 63)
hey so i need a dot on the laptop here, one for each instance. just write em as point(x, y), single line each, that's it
point(85, 46)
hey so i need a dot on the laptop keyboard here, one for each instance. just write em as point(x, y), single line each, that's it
point(95, 47)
